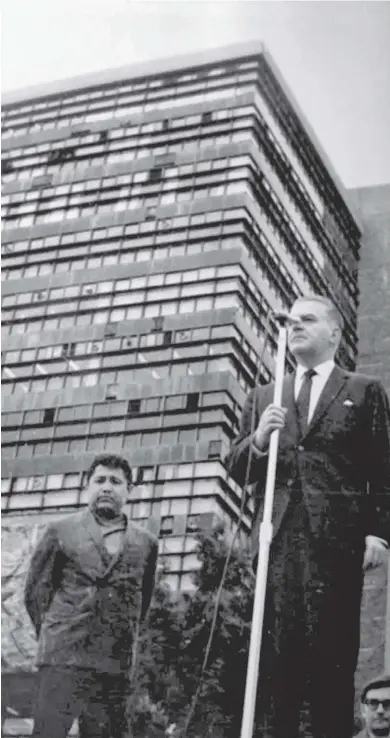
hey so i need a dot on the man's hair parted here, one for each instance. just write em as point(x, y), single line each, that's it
point(333, 311)
point(111, 461)
point(383, 680)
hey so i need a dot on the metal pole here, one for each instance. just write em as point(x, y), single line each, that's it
point(265, 538)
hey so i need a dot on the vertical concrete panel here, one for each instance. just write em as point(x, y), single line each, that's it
point(373, 204)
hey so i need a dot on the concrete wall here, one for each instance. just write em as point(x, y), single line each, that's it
point(373, 206)
point(374, 282)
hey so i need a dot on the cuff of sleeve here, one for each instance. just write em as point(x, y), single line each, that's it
point(376, 539)
point(257, 452)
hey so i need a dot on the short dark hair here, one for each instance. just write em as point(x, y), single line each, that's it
point(333, 311)
point(377, 683)
point(112, 461)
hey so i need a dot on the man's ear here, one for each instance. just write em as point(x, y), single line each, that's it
point(336, 335)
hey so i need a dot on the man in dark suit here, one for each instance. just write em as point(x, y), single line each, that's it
point(375, 708)
point(89, 585)
point(332, 483)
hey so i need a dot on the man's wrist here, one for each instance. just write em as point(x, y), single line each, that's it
point(258, 448)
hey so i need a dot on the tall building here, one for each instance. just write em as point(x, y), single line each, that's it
point(153, 217)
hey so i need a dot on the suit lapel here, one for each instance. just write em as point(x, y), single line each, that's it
point(115, 558)
point(91, 554)
point(332, 389)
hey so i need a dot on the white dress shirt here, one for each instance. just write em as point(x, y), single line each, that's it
point(323, 372)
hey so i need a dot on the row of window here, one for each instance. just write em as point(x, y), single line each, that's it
point(131, 342)
point(189, 277)
point(120, 443)
point(137, 135)
point(165, 100)
point(131, 198)
point(201, 77)
point(47, 262)
point(155, 177)
point(76, 480)
point(158, 230)
point(134, 312)
point(129, 149)
point(92, 101)
point(182, 426)
point(89, 414)
point(124, 203)
point(76, 167)
point(112, 379)
point(130, 358)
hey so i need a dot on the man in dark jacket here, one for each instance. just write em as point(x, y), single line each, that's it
point(332, 488)
point(89, 585)
point(375, 708)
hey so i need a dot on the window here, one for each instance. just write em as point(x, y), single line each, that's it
point(155, 174)
point(214, 450)
point(111, 392)
point(166, 527)
point(48, 416)
point(134, 407)
point(192, 524)
point(192, 401)
point(207, 118)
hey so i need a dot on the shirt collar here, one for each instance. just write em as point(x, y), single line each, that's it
point(324, 369)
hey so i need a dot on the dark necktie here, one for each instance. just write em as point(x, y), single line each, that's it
point(303, 399)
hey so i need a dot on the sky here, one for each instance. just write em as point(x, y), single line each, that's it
point(334, 56)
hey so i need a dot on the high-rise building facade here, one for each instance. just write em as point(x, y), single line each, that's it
point(153, 218)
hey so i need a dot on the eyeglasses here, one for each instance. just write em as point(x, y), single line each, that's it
point(374, 704)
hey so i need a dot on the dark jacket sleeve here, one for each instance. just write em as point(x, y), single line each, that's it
point(149, 577)
point(242, 450)
point(42, 578)
point(378, 472)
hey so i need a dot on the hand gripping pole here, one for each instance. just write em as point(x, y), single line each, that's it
point(265, 538)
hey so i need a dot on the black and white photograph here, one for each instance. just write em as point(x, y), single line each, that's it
point(195, 358)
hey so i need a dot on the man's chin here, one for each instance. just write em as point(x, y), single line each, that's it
point(381, 731)
point(106, 510)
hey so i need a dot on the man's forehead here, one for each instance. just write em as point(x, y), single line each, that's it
point(378, 693)
point(102, 470)
point(308, 307)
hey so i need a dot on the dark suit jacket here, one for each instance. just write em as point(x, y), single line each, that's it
point(85, 608)
point(341, 463)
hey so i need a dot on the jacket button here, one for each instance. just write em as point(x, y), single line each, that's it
point(301, 448)
point(290, 482)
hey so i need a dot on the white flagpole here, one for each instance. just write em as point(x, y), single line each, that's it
point(265, 538)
